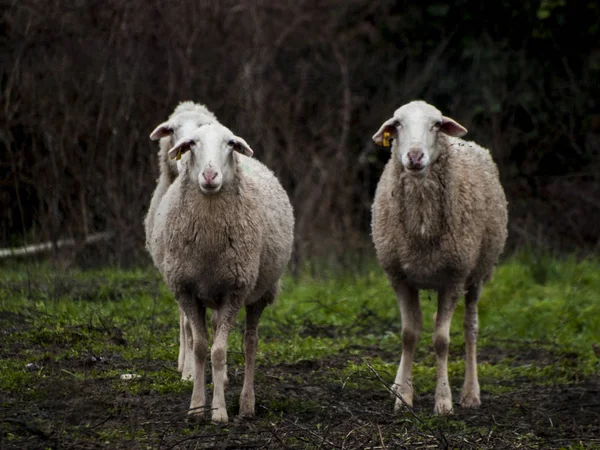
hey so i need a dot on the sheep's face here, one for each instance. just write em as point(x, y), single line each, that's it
point(413, 132)
point(208, 156)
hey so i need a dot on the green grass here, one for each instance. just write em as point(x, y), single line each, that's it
point(547, 302)
point(550, 302)
point(536, 310)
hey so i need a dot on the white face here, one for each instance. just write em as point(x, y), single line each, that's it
point(414, 129)
point(417, 132)
point(210, 159)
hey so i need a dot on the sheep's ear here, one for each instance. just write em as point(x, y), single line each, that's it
point(240, 145)
point(182, 146)
point(386, 132)
point(452, 128)
point(161, 131)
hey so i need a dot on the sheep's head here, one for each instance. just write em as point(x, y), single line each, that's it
point(184, 121)
point(414, 132)
point(208, 156)
point(182, 124)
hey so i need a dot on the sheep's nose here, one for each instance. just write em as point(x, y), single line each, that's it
point(209, 175)
point(415, 156)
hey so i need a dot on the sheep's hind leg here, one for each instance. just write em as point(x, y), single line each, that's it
point(196, 337)
point(410, 312)
point(470, 395)
point(225, 320)
point(253, 313)
point(181, 358)
point(447, 299)
point(186, 352)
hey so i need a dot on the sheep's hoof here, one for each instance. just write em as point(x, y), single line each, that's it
point(407, 396)
point(247, 403)
point(246, 407)
point(247, 414)
point(186, 376)
point(470, 400)
point(401, 406)
point(443, 407)
point(220, 416)
point(195, 416)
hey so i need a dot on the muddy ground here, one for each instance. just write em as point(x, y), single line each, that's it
point(298, 406)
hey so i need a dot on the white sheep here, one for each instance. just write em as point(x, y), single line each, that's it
point(222, 237)
point(439, 222)
point(184, 121)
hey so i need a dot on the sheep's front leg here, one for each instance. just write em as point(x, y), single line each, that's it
point(215, 321)
point(196, 337)
point(447, 299)
point(225, 320)
point(410, 313)
point(253, 313)
point(470, 396)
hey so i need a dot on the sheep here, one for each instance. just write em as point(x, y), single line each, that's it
point(222, 238)
point(184, 120)
point(186, 117)
point(439, 221)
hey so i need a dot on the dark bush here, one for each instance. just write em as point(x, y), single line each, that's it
point(306, 83)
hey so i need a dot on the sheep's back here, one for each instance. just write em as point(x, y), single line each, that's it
point(167, 174)
point(492, 213)
point(277, 219)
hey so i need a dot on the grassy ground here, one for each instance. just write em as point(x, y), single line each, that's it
point(329, 350)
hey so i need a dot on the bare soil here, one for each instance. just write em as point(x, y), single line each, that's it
point(298, 406)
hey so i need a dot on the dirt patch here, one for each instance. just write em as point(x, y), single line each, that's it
point(298, 406)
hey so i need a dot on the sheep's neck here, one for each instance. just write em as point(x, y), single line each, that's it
point(209, 222)
point(424, 202)
point(210, 204)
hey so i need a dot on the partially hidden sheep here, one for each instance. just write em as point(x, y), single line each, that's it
point(222, 238)
point(439, 221)
point(184, 121)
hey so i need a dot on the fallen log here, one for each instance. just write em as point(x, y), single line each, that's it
point(35, 249)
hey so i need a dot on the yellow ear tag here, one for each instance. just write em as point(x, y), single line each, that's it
point(178, 156)
point(386, 138)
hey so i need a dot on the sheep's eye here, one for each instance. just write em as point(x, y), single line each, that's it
point(233, 144)
point(397, 124)
point(437, 124)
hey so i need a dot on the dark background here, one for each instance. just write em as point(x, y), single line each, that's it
point(306, 83)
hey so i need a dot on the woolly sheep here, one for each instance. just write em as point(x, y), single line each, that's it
point(184, 120)
point(222, 237)
point(439, 222)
